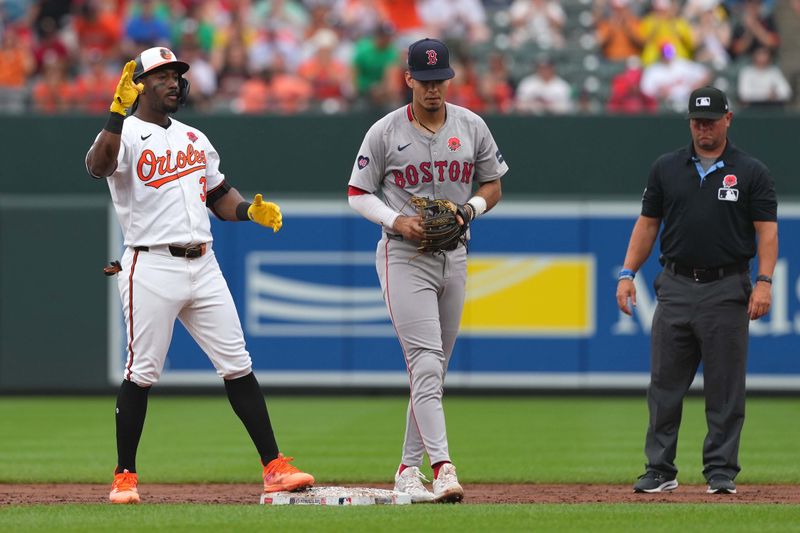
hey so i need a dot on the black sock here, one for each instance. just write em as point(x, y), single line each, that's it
point(131, 409)
point(248, 403)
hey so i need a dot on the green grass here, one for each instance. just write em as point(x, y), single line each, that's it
point(544, 440)
point(489, 518)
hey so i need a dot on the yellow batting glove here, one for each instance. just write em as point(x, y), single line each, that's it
point(127, 91)
point(265, 213)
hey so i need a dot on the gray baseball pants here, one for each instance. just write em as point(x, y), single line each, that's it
point(424, 294)
point(696, 322)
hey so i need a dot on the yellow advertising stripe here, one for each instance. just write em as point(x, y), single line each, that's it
point(546, 294)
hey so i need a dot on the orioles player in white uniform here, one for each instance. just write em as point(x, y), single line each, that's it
point(163, 175)
point(438, 150)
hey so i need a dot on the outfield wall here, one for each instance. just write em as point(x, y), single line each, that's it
point(587, 157)
point(54, 241)
point(540, 310)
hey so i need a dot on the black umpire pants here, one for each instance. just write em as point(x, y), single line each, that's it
point(696, 322)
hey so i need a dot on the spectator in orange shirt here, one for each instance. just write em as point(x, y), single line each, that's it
point(465, 88)
point(16, 64)
point(403, 16)
point(330, 79)
point(96, 29)
point(619, 33)
point(16, 61)
point(52, 92)
point(289, 93)
point(254, 94)
point(93, 85)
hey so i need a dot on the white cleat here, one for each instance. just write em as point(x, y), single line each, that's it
point(446, 488)
point(410, 482)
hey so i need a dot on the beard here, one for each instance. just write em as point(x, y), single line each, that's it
point(170, 108)
point(164, 107)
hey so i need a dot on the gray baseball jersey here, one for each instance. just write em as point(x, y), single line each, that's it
point(425, 296)
point(397, 161)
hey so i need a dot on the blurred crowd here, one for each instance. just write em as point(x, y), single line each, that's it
point(333, 56)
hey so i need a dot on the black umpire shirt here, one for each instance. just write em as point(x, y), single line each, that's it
point(708, 215)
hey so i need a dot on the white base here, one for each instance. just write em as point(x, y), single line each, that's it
point(337, 496)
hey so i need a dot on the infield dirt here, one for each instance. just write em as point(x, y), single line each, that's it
point(22, 494)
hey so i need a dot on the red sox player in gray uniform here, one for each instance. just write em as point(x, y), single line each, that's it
point(437, 150)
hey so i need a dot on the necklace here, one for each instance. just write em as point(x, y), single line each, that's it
point(423, 125)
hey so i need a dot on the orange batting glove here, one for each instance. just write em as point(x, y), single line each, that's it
point(267, 214)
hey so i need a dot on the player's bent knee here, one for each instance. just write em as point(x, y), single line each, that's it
point(236, 374)
point(143, 381)
point(427, 368)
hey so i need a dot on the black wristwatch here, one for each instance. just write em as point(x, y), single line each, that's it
point(764, 278)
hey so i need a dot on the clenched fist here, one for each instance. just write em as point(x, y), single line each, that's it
point(265, 213)
point(127, 91)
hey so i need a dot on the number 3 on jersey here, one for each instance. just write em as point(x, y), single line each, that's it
point(203, 183)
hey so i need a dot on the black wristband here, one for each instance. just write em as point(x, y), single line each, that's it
point(114, 123)
point(241, 211)
point(764, 278)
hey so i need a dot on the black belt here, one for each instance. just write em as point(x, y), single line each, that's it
point(705, 275)
point(394, 236)
point(189, 252)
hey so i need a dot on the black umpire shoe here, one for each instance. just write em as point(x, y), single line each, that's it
point(652, 481)
point(721, 484)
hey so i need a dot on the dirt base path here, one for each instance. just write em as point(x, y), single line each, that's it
point(12, 494)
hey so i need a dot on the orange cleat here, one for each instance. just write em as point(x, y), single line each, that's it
point(123, 490)
point(279, 475)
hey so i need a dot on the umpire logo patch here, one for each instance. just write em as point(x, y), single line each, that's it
point(363, 161)
point(728, 195)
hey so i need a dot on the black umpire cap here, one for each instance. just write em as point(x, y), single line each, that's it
point(708, 102)
point(429, 60)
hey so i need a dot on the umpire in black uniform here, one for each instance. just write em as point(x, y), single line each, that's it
point(718, 208)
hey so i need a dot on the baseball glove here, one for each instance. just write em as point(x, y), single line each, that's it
point(442, 232)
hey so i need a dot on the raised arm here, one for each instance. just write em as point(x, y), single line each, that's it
point(101, 161)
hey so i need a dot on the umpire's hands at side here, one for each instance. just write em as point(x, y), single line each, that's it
point(760, 300)
point(626, 291)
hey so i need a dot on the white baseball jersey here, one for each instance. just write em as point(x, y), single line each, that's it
point(157, 169)
point(397, 161)
point(159, 191)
